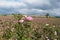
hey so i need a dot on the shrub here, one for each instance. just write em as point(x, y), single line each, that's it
point(24, 30)
point(47, 15)
point(17, 16)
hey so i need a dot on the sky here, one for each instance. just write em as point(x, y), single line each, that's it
point(30, 7)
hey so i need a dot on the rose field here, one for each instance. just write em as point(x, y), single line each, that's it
point(23, 27)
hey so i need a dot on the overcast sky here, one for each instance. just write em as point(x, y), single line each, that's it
point(30, 6)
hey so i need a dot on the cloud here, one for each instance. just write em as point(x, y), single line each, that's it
point(7, 0)
point(37, 3)
point(30, 6)
point(33, 11)
point(55, 11)
point(13, 4)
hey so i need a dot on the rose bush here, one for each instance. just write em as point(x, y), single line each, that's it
point(25, 29)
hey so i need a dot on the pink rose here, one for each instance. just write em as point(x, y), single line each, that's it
point(21, 21)
point(29, 18)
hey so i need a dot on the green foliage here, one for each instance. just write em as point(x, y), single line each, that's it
point(27, 31)
point(47, 15)
point(7, 34)
point(17, 16)
point(22, 31)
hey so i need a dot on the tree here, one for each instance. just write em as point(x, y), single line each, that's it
point(47, 15)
